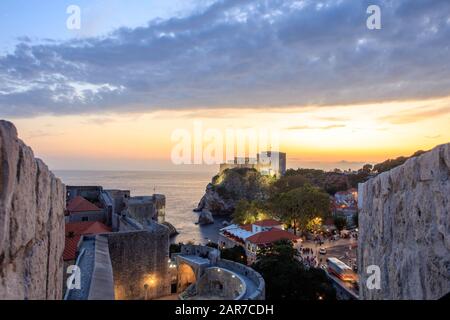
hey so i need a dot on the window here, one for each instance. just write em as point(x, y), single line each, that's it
point(85, 219)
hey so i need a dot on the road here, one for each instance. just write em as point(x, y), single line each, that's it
point(343, 249)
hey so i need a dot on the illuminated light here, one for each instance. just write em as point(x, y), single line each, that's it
point(150, 281)
point(119, 292)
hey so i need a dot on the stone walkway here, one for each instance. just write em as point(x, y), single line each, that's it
point(86, 265)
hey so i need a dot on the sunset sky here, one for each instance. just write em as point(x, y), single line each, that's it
point(110, 95)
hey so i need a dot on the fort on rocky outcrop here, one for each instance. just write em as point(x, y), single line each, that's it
point(31, 223)
point(404, 228)
point(230, 186)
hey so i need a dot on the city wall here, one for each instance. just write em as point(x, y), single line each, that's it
point(404, 229)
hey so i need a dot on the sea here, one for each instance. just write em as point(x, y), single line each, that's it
point(183, 191)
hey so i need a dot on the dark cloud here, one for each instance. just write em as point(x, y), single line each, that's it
point(238, 53)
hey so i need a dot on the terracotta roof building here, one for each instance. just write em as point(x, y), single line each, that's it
point(254, 236)
point(73, 233)
point(271, 236)
point(268, 223)
point(80, 209)
point(80, 204)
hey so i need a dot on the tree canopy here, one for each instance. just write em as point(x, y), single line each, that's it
point(287, 278)
point(298, 206)
point(249, 211)
point(340, 223)
point(237, 253)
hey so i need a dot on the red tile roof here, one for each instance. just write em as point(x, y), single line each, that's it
point(271, 236)
point(80, 204)
point(268, 223)
point(74, 231)
point(70, 248)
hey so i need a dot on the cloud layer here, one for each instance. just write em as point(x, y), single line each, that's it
point(237, 53)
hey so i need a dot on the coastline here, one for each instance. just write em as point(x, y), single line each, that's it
point(183, 190)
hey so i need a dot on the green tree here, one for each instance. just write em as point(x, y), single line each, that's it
point(340, 222)
point(287, 278)
point(298, 206)
point(249, 211)
point(314, 225)
point(212, 245)
point(355, 220)
point(289, 182)
point(237, 253)
point(175, 248)
point(367, 168)
point(241, 212)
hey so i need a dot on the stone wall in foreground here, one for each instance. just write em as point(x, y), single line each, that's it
point(140, 262)
point(31, 223)
point(404, 227)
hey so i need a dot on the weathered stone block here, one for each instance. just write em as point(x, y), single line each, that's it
point(31, 222)
point(404, 227)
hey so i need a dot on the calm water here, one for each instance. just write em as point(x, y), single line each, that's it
point(183, 191)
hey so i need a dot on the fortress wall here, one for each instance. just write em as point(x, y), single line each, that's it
point(404, 228)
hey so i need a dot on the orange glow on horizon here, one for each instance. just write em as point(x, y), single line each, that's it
point(310, 135)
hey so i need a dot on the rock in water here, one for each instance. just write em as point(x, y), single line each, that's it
point(404, 229)
point(205, 217)
point(32, 203)
point(172, 230)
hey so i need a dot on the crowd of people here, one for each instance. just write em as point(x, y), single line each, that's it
point(316, 257)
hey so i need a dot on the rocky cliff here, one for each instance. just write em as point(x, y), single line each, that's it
point(31, 223)
point(404, 227)
point(230, 186)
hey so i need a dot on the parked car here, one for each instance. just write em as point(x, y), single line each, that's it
point(322, 251)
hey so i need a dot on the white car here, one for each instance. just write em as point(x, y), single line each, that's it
point(322, 251)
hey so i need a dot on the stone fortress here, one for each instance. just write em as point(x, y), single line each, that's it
point(134, 264)
point(404, 229)
point(114, 205)
point(268, 163)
